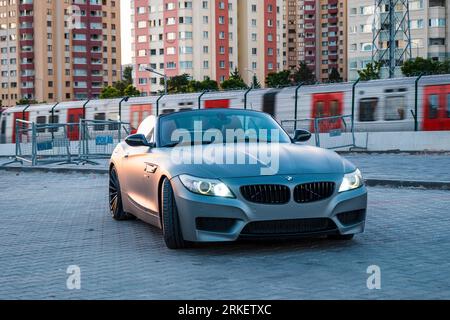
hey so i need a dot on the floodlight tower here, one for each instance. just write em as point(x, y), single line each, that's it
point(391, 34)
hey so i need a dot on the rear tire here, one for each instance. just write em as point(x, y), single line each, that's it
point(115, 198)
point(170, 219)
point(341, 237)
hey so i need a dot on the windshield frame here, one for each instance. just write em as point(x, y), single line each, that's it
point(158, 126)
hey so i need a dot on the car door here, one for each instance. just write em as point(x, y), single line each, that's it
point(140, 168)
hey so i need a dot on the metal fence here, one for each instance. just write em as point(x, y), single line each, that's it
point(82, 142)
point(335, 132)
point(329, 132)
point(291, 125)
point(99, 138)
point(25, 135)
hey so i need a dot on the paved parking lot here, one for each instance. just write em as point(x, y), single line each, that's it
point(51, 221)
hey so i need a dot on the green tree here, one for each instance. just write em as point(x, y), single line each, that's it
point(26, 101)
point(209, 84)
point(131, 91)
point(303, 74)
point(120, 86)
point(177, 84)
point(278, 79)
point(423, 66)
point(128, 75)
point(235, 82)
point(110, 92)
point(371, 72)
point(335, 76)
point(255, 82)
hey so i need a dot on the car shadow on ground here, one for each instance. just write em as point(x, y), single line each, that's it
point(260, 246)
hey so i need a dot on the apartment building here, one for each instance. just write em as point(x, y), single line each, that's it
point(198, 38)
point(260, 38)
point(429, 27)
point(205, 39)
point(58, 50)
point(316, 32)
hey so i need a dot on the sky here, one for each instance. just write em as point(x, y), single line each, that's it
point(126, 31)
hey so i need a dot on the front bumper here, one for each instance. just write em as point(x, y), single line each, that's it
point(192, 207)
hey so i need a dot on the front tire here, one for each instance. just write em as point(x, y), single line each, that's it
point(173, 236)
point(115, 198)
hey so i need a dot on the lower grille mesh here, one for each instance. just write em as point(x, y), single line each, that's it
point(279, 227)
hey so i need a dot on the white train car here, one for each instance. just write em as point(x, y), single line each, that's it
point(380, 105)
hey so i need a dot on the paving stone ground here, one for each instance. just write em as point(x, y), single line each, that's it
point(51, 221)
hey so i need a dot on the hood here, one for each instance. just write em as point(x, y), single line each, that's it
point(226, 161)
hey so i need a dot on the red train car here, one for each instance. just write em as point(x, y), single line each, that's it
point(436, 108)
point(325, 105)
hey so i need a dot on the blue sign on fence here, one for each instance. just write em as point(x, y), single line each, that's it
point(103, 140)
point(46, 145)
point(336, 133)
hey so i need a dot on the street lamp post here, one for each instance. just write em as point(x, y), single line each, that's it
point(159, 74)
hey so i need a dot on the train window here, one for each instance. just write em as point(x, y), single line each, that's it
point(3, 129)
point(334, 108)
point(433, 106)
point(395, 109)
point(135, 120)
point(320, 109)
point(368, 109)
point(402, 90)
point(114, 117)
point(185, 109)
point(168, 111)
point(388, 90)
point(99, 117)
point(448, 106)
point(146, 114)
point(53, 120)
point(41, 121)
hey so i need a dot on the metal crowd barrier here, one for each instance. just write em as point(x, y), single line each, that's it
point(303, 124)
point(82, 142)
point(330, 132)
point(335, 132)
point(99, 138)
point(25, 132)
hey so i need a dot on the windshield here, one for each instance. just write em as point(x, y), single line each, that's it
point(220, 126)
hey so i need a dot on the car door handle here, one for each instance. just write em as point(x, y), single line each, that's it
point(126, 156)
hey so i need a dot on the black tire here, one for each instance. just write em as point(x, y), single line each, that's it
point(341, 237)
point(115, 198)
point(170, 220)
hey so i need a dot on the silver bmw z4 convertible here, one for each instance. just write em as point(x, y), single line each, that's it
point(224, 174)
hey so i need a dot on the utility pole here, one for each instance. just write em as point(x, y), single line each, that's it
point(391, 34)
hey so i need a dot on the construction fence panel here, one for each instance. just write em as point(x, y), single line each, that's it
point(99, 138)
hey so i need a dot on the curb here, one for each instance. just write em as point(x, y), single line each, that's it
point(390, 183)
point(429, 185)
point(56, 170)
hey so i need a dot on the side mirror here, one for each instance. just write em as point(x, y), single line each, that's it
point(302, 136)
point(138, 140)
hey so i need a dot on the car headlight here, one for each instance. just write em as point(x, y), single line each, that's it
point(352, 181)
point(206, 187)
